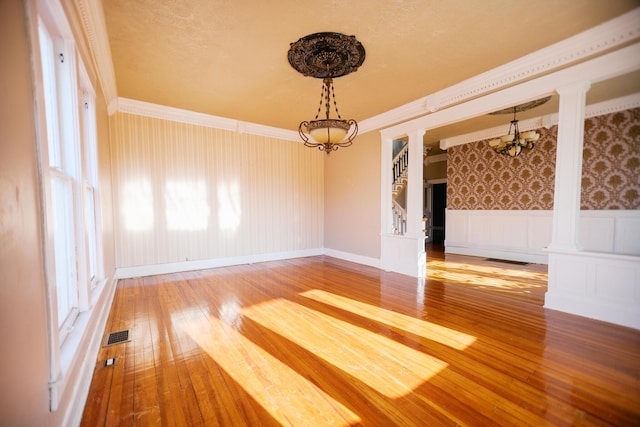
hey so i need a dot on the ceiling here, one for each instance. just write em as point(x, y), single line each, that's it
point(228, 58)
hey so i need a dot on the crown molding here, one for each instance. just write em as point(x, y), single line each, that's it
point(599, 39)
point(147, 109)
point(95, 29)
point(601, 108)
point(604, 37)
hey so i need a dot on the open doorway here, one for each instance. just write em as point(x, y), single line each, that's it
point(438, 212)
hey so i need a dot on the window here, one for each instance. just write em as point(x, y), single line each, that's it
point(67, 143)
point(61, 174)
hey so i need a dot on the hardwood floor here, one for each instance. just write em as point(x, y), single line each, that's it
point(319, 341)
point(525, 282)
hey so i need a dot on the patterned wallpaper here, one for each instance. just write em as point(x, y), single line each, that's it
point(611, 162)
point(479, 178)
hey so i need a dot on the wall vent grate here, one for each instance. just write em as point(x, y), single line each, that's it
point(507, 261)
point(117, 338)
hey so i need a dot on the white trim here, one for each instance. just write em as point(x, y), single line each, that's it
point(535, 256)
point(95, 28)
point(131, 106)
point(606, 36)
point(176, 267)
point(85, 367)
point(595, 285)
point(601, 38)
point(622, 61)
point(358, 259)
point(594, 110)
point(436, 159)
point(437, 181)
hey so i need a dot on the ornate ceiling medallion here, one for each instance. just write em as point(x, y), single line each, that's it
point(326, 55)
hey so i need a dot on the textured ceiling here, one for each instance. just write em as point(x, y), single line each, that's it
point(229, 57)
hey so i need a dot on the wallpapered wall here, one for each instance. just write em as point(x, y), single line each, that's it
point(479, 178)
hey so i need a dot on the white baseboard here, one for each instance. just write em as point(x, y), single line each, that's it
point(176, 267)
point(531, 256)
point(358, 259)
point(80, 392)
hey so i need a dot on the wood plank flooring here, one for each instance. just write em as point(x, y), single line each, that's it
point(319, 341)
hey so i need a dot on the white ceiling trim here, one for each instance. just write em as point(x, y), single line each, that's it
point(131, 106)
point(605, 36)
point(594, 110)
point(609, 65)
point(95, 28)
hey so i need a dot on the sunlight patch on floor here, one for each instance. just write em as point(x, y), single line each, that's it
point(290, 398)
point(486, 276)
point(428, 330)
point(383, 364)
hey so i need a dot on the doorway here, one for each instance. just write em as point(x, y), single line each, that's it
point(438, 211)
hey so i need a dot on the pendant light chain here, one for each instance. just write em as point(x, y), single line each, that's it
point(335, 104)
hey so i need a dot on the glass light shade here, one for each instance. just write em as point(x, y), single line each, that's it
point(507, 138)
point(528, 134)
point(328, 130)
point(515, 150)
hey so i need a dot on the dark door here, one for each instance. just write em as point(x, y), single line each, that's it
point(439, 205)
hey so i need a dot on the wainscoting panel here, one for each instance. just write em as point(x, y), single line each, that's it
point(184, 192)
point(524, 235)
point(509, 234)
point(596, 285)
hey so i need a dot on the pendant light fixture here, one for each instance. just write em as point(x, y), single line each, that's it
point(327, 56)
point(515, 141)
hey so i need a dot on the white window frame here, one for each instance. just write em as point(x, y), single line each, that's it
point(67, 157)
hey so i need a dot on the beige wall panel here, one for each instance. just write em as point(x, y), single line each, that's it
point(104, 169)
point(24, 399)
point(352, 198)
point(186, 192)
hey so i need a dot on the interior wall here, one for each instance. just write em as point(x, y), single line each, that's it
point(435, 170)
point(611, 162)
point(479, 178)
point(24, 398)
point(352, 197)
point(24, 373)
point(104, 170)
point(184, 192)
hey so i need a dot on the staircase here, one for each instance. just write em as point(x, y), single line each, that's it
point(399, 184)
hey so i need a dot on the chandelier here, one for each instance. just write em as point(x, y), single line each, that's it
point(327, 56)
point(515, 141)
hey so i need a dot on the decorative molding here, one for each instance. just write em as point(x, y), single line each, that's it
point(95, 28)
point(606, 36)
point(581, 283)
point(130, 106)
point(395, 115)
point(176, 267)
point(596, 40)
point(606, 107)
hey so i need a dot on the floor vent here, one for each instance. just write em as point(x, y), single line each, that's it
point(117, 338)
point(507, 261)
